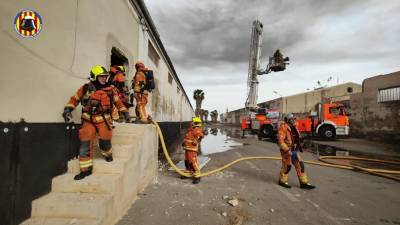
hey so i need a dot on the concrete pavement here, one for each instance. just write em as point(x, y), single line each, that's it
point(341, 197)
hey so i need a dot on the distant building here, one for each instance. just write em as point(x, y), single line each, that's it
point(376, 110)
point(303, 103)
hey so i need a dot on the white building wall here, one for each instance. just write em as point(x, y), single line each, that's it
point(43, 72)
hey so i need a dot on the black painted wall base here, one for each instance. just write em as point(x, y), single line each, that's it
point(173, 134)
point(33, 153)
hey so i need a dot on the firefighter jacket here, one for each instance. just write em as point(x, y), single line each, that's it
point(139, 82)
point(288, 137)
point(97, 105)
point(193, 138)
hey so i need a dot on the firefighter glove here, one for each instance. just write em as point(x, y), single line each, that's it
point(67, 114)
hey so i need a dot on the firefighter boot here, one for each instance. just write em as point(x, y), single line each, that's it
point(83, 174)
point(283, 180)
point(107, 154)
point(306, 186)
point(304, 182)
point(196, 180)
point(109, 158)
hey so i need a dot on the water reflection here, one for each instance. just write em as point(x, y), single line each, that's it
point(217, 140)
point(326, 150)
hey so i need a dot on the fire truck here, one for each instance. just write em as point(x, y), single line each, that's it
point(330, 120)
point(257, 120)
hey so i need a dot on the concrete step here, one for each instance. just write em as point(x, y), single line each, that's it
point(60, 221)
point(119, 150)
point(95, 183)
point(117, 166)
point(129, 128)
point(75, 205)
point(124, 139)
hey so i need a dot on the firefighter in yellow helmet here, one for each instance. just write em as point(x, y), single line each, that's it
point(117, 78)
point(289, 144)
point(190, 144)
point(97, 98)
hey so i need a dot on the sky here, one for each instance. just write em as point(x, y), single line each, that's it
point(209, 44)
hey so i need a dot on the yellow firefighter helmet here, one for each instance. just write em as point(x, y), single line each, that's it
point(196, 122)
point(98, 71)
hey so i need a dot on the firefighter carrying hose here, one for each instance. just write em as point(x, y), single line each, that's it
point(289, 143)
point(98, 98)
point(139, 86)
point(190, 144)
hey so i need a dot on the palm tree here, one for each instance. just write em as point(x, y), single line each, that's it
point(214, 116)
point(206, 116)
point(198, 95)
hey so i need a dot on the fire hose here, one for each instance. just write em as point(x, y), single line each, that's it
point(377, 172)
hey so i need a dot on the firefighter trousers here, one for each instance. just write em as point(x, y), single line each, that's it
point(87, 135)
point(141, 102)
point(287, 162)
point(191, 163)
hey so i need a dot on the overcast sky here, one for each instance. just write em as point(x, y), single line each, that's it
point(208, 42)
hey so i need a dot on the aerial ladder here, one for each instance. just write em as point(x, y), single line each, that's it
point(256, 120)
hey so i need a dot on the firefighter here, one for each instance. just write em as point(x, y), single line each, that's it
point(139, 86)
point(117, 78)
point(289, 143)
point(98, 98)
point(190, 144)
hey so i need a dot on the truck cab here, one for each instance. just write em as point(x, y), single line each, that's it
point(330, 120)
point(258, 122)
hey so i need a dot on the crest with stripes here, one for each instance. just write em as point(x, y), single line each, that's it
point(28, 23)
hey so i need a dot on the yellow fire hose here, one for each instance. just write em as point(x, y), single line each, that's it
point(377, 172)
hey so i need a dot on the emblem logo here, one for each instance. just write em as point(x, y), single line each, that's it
point(28, 23)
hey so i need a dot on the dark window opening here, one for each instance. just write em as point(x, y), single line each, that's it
point(349, 90)
point(170, 78)
point(118, 59)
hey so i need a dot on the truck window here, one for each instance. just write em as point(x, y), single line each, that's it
point(335, 111)
point(273, 115)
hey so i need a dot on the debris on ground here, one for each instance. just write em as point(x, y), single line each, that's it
point(225, 214)
point(225, 197)
point(272, 210)
point(233, 202)
point(238, 217)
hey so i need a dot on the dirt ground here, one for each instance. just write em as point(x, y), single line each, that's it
point(341, 196)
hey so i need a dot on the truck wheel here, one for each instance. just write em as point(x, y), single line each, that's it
point(267, 131)
point(327, 132)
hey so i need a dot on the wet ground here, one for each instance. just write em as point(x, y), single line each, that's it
point(221, 138)
point(217, 140)
point(342, 197)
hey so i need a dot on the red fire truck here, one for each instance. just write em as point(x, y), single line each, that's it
point(330, 120)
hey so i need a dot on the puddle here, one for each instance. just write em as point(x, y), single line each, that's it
point(326, 150)
point(217, 140)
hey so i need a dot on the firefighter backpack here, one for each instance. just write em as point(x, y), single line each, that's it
point(150, 84)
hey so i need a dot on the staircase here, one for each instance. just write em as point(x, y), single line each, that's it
point(104, 197)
